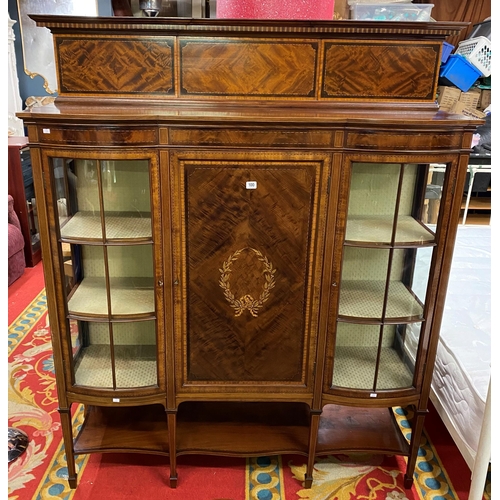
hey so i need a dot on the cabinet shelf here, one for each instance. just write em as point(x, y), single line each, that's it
point(135, 366)
point(363, 300)
point(242, 429)
point(141, 429)
point(86, 226)
point(394, 371)
point(350, 429)
point(228, 429)
point(377, 230)
point(129, 296)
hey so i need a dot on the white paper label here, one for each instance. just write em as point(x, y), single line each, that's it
point(46, 130)
point(116, 400)
point(251, 184)
point(373, 395)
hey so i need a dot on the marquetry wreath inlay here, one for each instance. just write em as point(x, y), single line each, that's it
point(246, 301)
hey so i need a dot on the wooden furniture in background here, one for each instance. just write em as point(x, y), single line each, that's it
point(231, 213)
point(21, 188)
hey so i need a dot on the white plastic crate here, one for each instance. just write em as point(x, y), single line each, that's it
point(478, 52)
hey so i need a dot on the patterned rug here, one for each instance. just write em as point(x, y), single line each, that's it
point(40, 472)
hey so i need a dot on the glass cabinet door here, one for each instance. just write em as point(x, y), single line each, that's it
point(390, 234)
point(106, 243)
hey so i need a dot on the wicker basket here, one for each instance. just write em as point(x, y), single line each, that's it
point(478, 52)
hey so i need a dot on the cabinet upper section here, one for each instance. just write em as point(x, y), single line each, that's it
point(245, 60)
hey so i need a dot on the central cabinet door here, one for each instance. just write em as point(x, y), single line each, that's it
point(248, 226)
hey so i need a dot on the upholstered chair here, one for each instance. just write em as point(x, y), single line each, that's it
point(17, 261)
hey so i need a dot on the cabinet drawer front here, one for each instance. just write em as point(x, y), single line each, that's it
point(402, 141)
point(103, 135)
point(220, 137)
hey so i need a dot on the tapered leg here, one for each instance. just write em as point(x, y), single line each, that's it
point(313, 439)
point(67, 430)
point(416, 435)
point(171, 421)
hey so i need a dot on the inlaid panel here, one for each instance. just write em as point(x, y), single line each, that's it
point(390, 70)
point(117, 65)
point(112, 136)
point(402, 140)
point(242, 68)
point(249, 230)
point(265, 137)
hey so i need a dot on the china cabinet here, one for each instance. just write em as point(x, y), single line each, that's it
point(231, 213)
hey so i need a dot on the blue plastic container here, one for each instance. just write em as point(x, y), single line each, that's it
point(459, 72)
point(447, 50)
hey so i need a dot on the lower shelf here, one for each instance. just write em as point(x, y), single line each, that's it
point(240, 429)
point(139, 429)
point(345, 429)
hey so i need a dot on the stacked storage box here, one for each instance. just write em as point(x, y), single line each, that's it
point(478, 52)
point(460, 72)
point(390, 11)
point(471, 60)
point(471, 103)
point(447, 50)
point(463, 74)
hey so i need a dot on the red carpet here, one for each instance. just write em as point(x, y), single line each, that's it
point(39, 473)
point(24, 290)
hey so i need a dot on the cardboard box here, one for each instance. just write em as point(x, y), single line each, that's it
point(471, 99)
point(485, 100)
point(448, 96)
point(461, 109)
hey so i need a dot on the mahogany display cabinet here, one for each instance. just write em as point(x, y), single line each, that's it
point(245, 245)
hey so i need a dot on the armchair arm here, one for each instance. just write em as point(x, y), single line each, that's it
point(13, 218)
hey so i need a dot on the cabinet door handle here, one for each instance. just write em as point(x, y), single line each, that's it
point(176, 282)
point(160, 282)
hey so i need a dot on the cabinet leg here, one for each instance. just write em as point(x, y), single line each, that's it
point(67, 430)
point(171, 421)
point(408, 482)
point(313, 439)
point(416, 435)
point(308, 481)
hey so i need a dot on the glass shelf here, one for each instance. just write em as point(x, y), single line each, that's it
point(135, 366)
point(129, 296)
point(377, 229)
point(87, 226)
point(365, 299)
